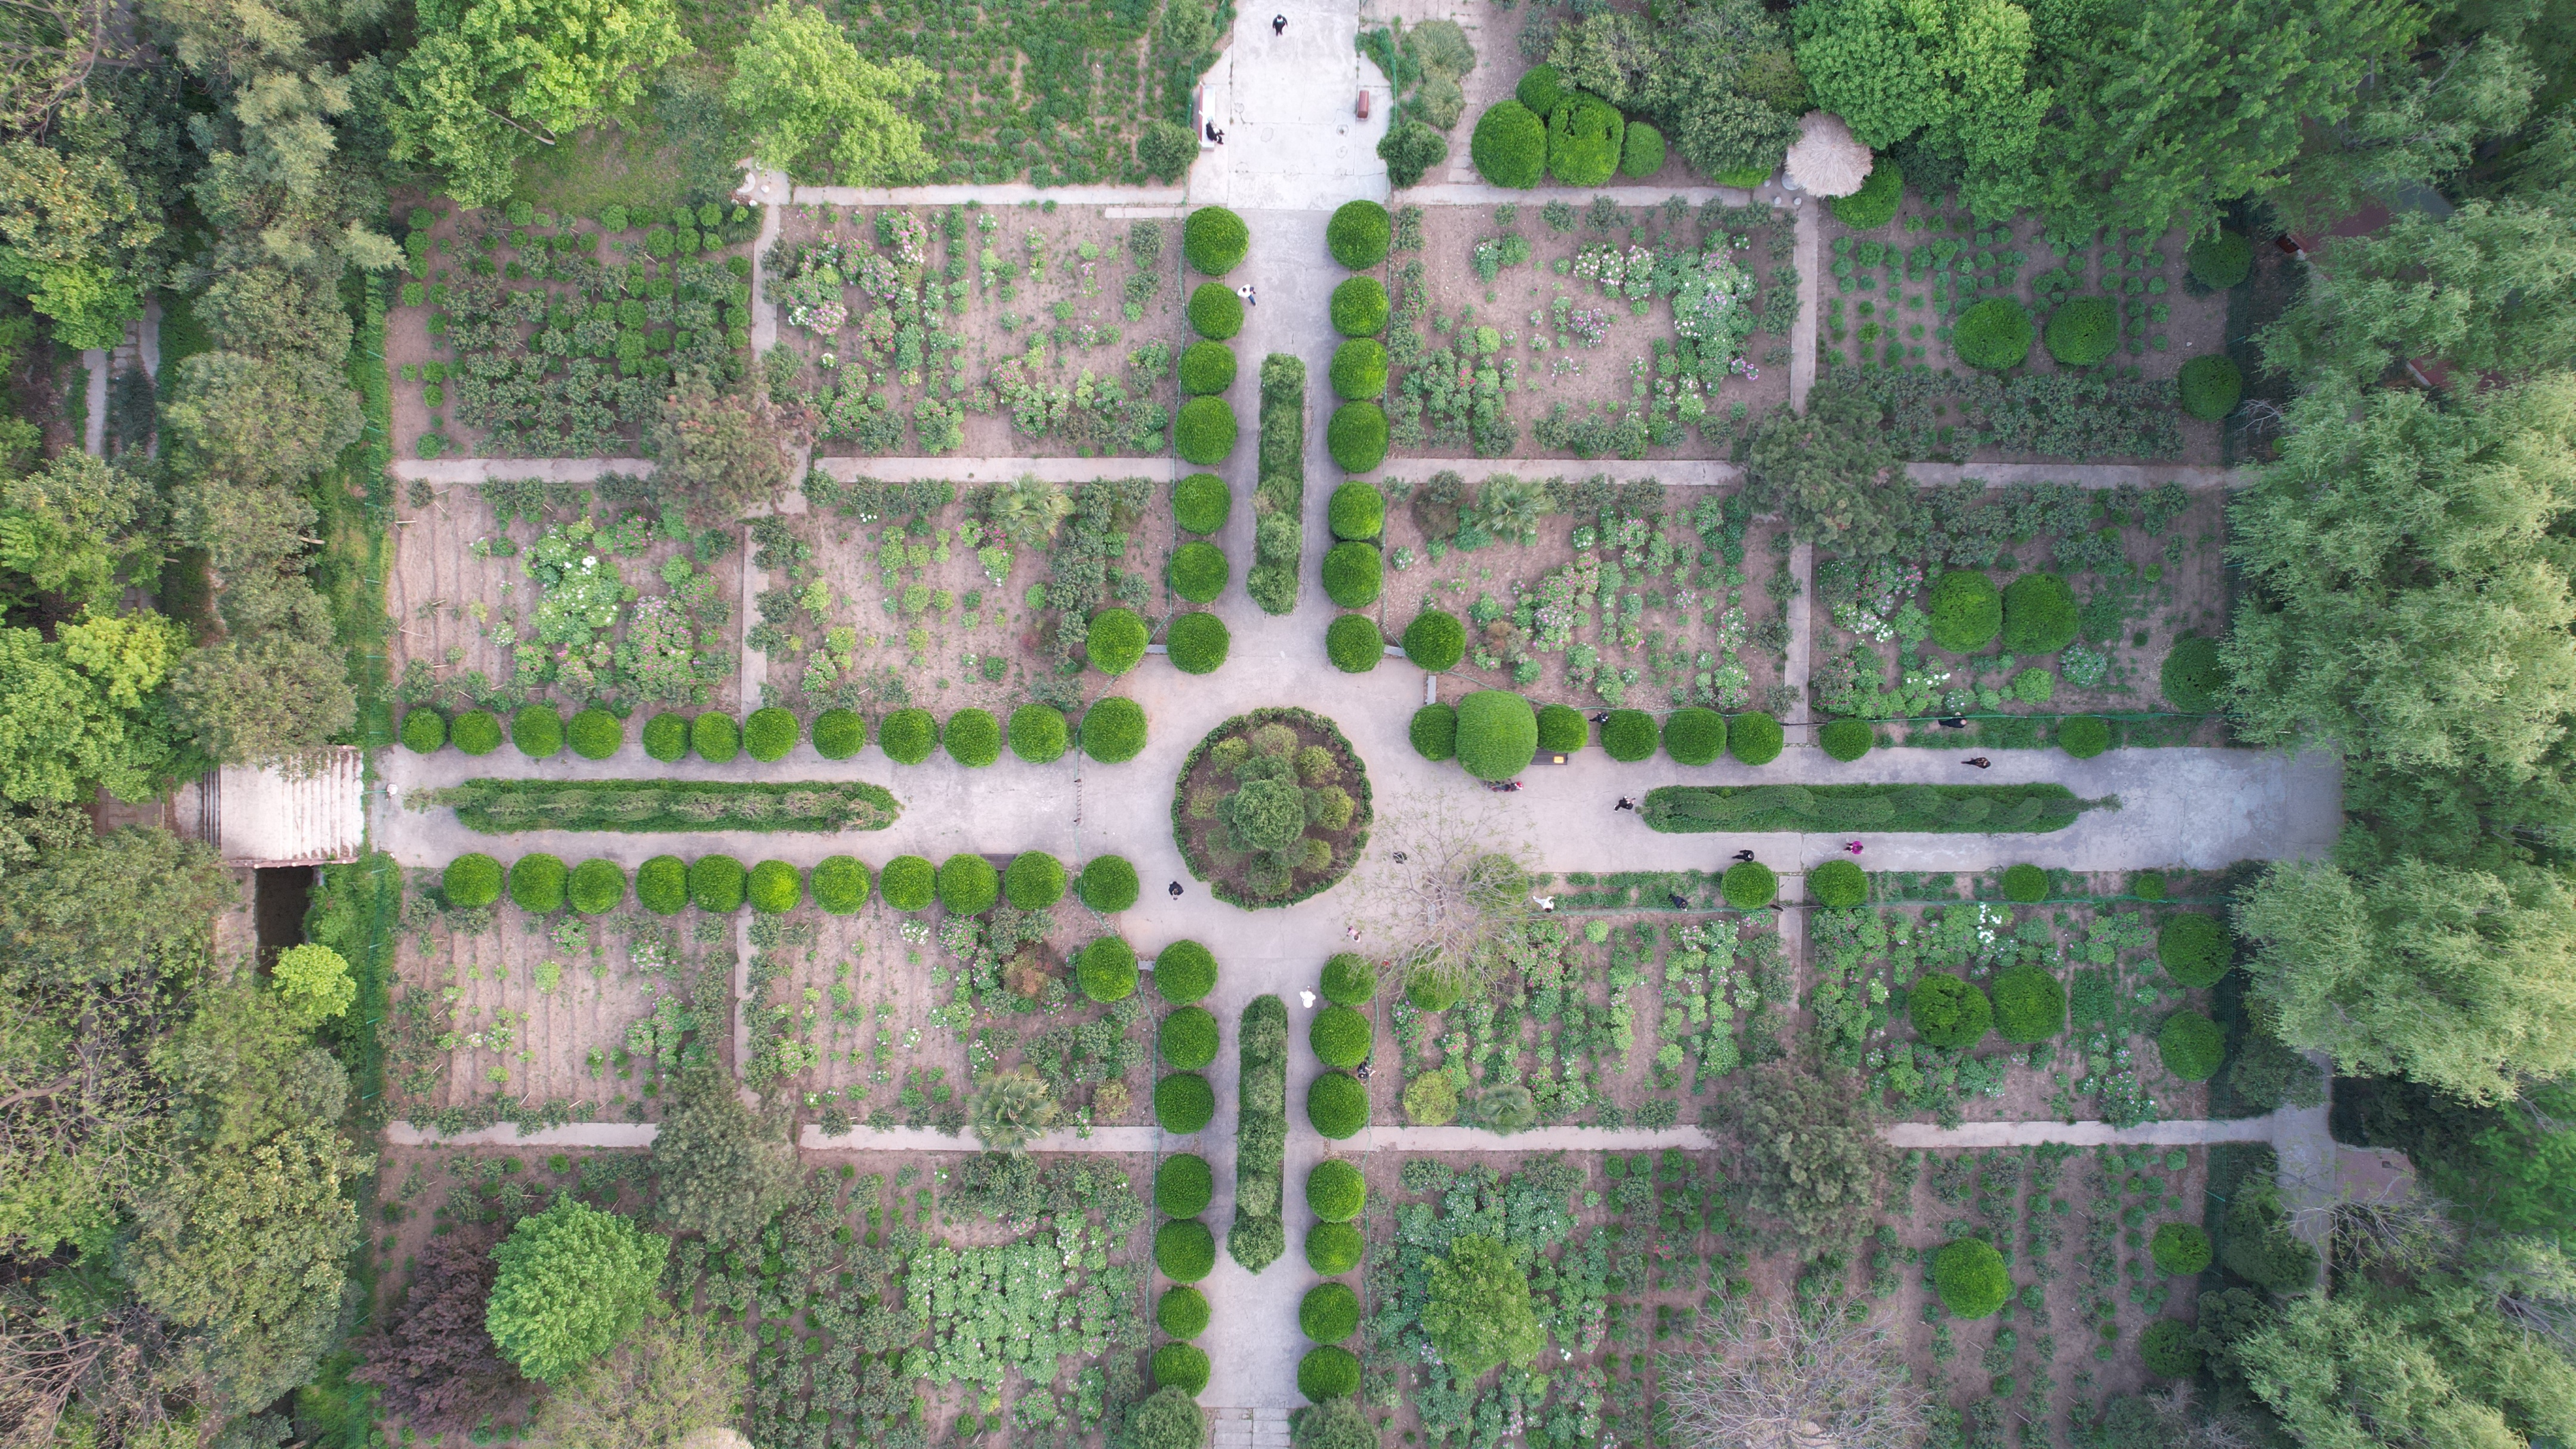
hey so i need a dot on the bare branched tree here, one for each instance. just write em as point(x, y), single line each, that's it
point(1445, 887)
point(1773, 1378)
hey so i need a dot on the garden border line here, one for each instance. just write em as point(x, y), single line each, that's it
point(845, 468)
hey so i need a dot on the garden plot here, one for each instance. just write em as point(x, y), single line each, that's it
point(509, 591)
point(1544, 331)
point(2141, 569)
point(1579, 589)
point(522, 333)
point(1035, 330)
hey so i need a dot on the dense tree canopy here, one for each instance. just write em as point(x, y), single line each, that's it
point(810, 101)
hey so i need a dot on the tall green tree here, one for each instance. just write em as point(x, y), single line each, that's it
point(2375, 1365)
point(573, 1283)
point(1478, 1311)
point(1953, 72)
point(1831, 473)
point(811, 102)
point(719, 1170)
point(78, 238)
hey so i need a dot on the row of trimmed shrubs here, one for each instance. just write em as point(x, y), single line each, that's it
point(1354, 576)
point(2080, 735)
point(1214, 240)
point(1112, 731)
point(1260, 1231)
point(1184, 1183)
point(1279, 498)
point(1357, 434)
point(1548, 128)
point(1494, 734)
point(1343, 1036)
point(964, 885)
point(1195, 640)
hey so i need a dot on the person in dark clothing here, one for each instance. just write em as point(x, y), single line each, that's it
point(1679, 903)
point(1602, 718)
point(1626, 802)
point(1981, 762)
point(1175, 890)
point(1744, 855)
point(1278, 24)
point(1954, 723)
point(1211, 131)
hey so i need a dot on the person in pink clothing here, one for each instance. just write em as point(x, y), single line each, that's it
point(1854, 847)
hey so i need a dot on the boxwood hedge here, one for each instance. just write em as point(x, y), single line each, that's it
point(1692, 735)
point(1357, 437)
point(1562, 729)
point(2180, 1249)
point(2169, 1349)
point(537, 730)
point(909, 883)
point(1187, 1038)
point(1116, 641)
point(1584, 133)
point(597, 887)
point(1993, 334)
point(1328, 1372)
point(1359, 370)
point(1360, 307)
point(1838, 885)
point(1497, 734)
point(1107, 884)
point(1333, 1248)
point(972, 737)
point(1215, 239)
point(839, 733)
point(1628, 736)
point(1948, 1012)
point(1184, 1103)
point(840, 884)
point(1641, 154)
point(1754, 738)
point(1353, 643)
point(1350, 979)
point(1970, 1277)
point(1434, 732)
point(471, 881)
point(2025, 884)
point(775, 888)
point(1039, 734)
point(1845, 739)
point(1198, 572)
point(2191, 1045)
point(1337, 1105)
point(662, 885)
point(1340, 1037)
point(2192, 679)
point(1182, 1312)
point(1329, 1313)
point(968, 884)
point(769, 734)
point(2039, 615)
point(1207, 368)
point(1034, 881)
point(1215, 312)
point(1358, 510)
point(1966, 611)
point(1206, 431)
point(1749, 885)
point(2030, 1005)
point(1184, 972)
point(1435, 641)
point(1874, 205)
point(715, 737)
point(908, 735)
point(1201, 503)
point(2084, 735)
point(666, 737)
point(1197, 642)
point(2193, 948)
point(1113, 730)
point(1509, 146)
point(2082, 332)
point(2220, 261)
point(424, 731)
point(1354, 574)
point(537, 883)
point(1184, 1250)
point(1359, 234)
point(476, 732)
point(716, 884)
point(2211, 387)
point(1183, 1185)
point(1106, 969)
point(1181, 1366)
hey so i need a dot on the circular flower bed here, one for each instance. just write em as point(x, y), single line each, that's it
point(1271, 807)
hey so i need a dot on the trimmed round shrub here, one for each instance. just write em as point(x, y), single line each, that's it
point(1874, 205)
point(1509, 146)
point(1431, 991)
point(1360, 307)
point(1357, 437)
point(2191, 1045)
point(1340, 1037)
point(715, 737)
point(1106, 969)
point(1435, 641)
point(1845, 739)
point(1328, 1372)
point(2084, 735)
point(1187, 1039)
point(1215, 239)
point(1337, 1105)
point(1562, 729)
point(1350, 979)
point(537, 730)
point(1497, 734)
point(1329, 1313)
point(908, 735)
point(1434, 732)
point(1948, 1012)
point(1198, 572)
point(1182, 1312)
point(1184, 1250)
point(2192, 677)
point(1201, 503)
point(1628, 736)
point(1335, 1190)
point(1352, 641)
point(475, 732)
point(2148, 885)
point(1993, 334)
point(839, 733)
point(909, 883)
point(1107, 883)
point(1184, 971)
point(1039, 734)
point(2039, 615)
point(1359, 234)
point(1116, 641)
point(1971, 1278)
point(2025, 885)
point(1181, 1366)
point(2030, 1005)
point(1966, 611)
point(1754, 738)
point(1641, 153)
point(716, 884)
point(1215, 312)
point(666, 737)
point(1113, 730)
point(1207, 368)
point(1358, 511)
point(1583, 136)
point(596, 887)
point(1333, 1249)
point(840, 884)
point(1694, 736)
point(424, 731)
point(471, 882)
point(1541, 88)
point(775, 888)
point(2193, 948)
point(537, 883)
point(972, 737)
point(968, 884)
point(1359, 369)
point(769, 734)
point(2082, 332)
point(2169, 1350)
point(2220, 260)
point(1838, 885)
point(662, 885)
point(1749, 885)
point(1197, 642)
point(2180, 1249)
point(1168, 1419)
point(1205, 433)
point(1354, 574)
point(2211, 387)
point(1184, 1103)
point(1034, 881)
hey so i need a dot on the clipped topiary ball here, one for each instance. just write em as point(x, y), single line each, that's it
point(1354, 574)
point(537, 883)
point(1350, 979)
point(1692, 735)
point(2030, 1005)
point(1107, 884)
point(1187, 1038)
point(968, 885)
point(1198, 572)
point(1335, 1190)
point(1359, 369)
point(1358, 511)
point(1106, 969)
point(1207, 368)
point(1215, 239)
point(1180, 1366)
point(1435, 641)
point(1182, 1312)
point(1845, 739)
point(1116, 641)
point(1583, 137)
point(716, 884)
point(662, 885)
point(1993, 334)
point(2084, 735)
point(1966, 611)
point(1034, 881)
point(1333, 1248)
point(2191, 1045)
point(1497, 734)
point(839, 734)
point(1113, 730)
point(1184, 1250)
point(908, 736)
point(1629, 735)
point(1201, 503)
point(1360, 307)
point(1562, 729)
point(2194, 949)
point(1509, 146)
point(1215, 312)
point(1434, 732)
point(1184, 972)
point(2148, 885)
point(2211, 387)
point(476, 732)
point(973, 738)
point(471, 882)
point(910, 883)
point(716, 738)
point(1352, 641)
point(1749, 885)
point(1184, 1185)
point(1206, 431)
point(1970, 1277)
point(1340, 1037)
point(1337, 1105)
point(1948, 1012)
point(769, 734)
point(2180, 1249)
point(2025, 885)
point(537, 730)
point(1359, 234)
point(840, 884)
point(1039, 734)
point(2169, 1350)
point(2220, 260)
point(1356, 437)
point(424, 731)
point(775, 888)
point(1328, 1372)
point(1838, 885)
point(1541, 88)
point(1641, 152)
point(2082, 332)
point(2039, 615)
point(597, 887)
point(1197, 642)
point(1754, 738)
point(1329, 1313)
point(2192, 679)
point(1184, 1103)
point(666, 737)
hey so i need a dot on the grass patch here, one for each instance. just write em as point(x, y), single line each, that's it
point(501, 807)
point(669, 149)
point(1981, 809)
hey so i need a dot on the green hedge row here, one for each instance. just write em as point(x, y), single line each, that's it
point(505, 807)
point(597, 734)
point(1755, 809)
point(1279, 501)
point(840, 884)
point(1260, 1233)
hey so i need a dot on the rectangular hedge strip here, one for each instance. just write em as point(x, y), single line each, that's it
point(501, 807)
point(1985, 809)
point(1261, 1135)
point(1279, 502)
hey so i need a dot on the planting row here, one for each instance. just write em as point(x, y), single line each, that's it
point(1111, 731)
point(963, 885)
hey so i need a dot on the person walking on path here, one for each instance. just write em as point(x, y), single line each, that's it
point(1626, 802)
point(1854, 847)
point(1279, 25)
point(1175, 890)
point(1744, 855)
point(1980, 762)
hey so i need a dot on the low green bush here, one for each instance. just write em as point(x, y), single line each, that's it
point(1201, 503)
point(2169, 1349)
point(1184, 1103)
point(1116, 641)
point(471, 881)
point(1966, 611)
point(2084, 735)
point(1353, 643)
point(775, 888)
point(1431, 990)
point(475, 732)
point(666, 737)
point(1497, 734)
point(537, 883)
point(537, 730)
point(1356, 437)
point(769, 734)
point(1184, 1250)
point(424, 731)
point(596, 887)
point(2191, 1045)
point(972, 737)
point(1993, 334)
point(1641, 153)
point(1562, 729)
point(1198, 572)
point(1328, 1372)
point(1749, 885)
point(1948, 1012)
point(968, 884)
point(1184, 972)
point(1358, 511)
point(1360, 307)
point(1335, 1190)
point(2194, 949)
point(1584, 133)
point(1034, 881)
point(2081, 333)
point(2039, 615)
point(909, 883)
point(839, 733)
point(1329, 1313)
point(1509, 145)
point(1434, 732)
point(1337, 1105)
point(2212, 386)
point(1340, 1037)
point(1039, 734)
point(1354, 574)
point(1333, 1249)
point(2220, 260)
point(840, 884)
point(1838, 885)
point(1182, 1312)
point(1845, 739)
point(1359, 234)
point(716, 884)
point(1694, 736)
point(1106, 969)
point(1350, 979)
point(1113, 730)
point(715, 737)
point(1187, 1039)
point(2030, 1005)
point(1970, 1277)
point(1107, 884)
point(1207, 368)
point(907, 736)
point(2148, 885)
point(2025, 884)
point(1180, 1366)
point(1754, 738)
point(1215, 239)
point(662, 885)
point(1435, 641)
point(1215, 312)
point(2192, 678)
point(1629, 735)
point(1197, 642)
point(1874, 205)
point(2180, 1249)
point(1206, 431)
point(1359, 370)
